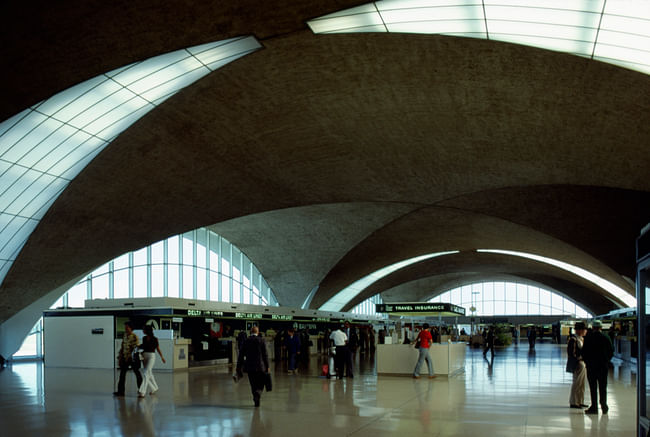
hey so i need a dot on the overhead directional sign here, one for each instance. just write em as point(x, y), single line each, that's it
point(420, 309)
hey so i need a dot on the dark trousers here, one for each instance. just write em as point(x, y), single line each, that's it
point(348, 362)
point(292, 361)
point(597, 382)
point(488, 347)
point(340, 360)
point(256, 380)
point(122, 382)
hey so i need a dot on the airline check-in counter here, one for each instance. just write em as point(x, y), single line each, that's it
point(190, 333)
point(400, 359)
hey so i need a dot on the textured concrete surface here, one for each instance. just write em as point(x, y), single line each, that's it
point(549, 150)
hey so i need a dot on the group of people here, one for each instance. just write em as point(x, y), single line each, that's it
point(589, 354)
point(128, 359)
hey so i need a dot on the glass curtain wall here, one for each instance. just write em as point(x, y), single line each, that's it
point(511, 298)
point(199, 265)
point(367, 307)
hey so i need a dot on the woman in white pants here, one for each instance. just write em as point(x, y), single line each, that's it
point(149, 346)
point(576, 365)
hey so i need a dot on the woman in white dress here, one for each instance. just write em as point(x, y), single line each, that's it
point(149, 346)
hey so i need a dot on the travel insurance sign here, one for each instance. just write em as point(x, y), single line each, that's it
point(420, 309)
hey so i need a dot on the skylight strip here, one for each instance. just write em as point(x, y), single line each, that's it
point(564, 45)
point(83, 103)
point(165, 74)
point(19, 131)
point(44, 147)
point(34, 206)
point(346, 22)
point(110, 132)
point(610, 288)
point(579, 20)
point(439, 27)
point(340, 299)
point(631, 55)
point(149, 68)
point(48, 144)
point(600, 23)
point(28, 192)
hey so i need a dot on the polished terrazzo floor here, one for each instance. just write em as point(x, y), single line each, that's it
point(519, 394)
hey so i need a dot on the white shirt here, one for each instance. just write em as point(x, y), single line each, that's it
point(339, 337)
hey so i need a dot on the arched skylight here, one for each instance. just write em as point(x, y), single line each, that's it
point(614, 31)
point(611, 289)
point(44, 147)
point(340, 299)
point(510, 298)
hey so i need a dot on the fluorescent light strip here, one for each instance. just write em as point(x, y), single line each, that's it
point(609, 287)
point(46, 146)
point(340, 299)
point(617, 32)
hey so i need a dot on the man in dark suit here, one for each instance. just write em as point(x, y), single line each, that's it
point(254, 360)
point(596, 353)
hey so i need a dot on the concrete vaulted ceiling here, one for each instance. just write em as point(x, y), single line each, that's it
point(326, 157)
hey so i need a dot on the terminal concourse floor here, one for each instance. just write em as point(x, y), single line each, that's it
point(520, 394)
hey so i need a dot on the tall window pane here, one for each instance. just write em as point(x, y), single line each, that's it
point(140, 257)
point(188, 281)
point(188, 251)
point(157, 281)
point(172, 250)
point(121, 284)
point(77, 295)
point(140, 281)
point(201, 284)
point(214, 286)
point(158, 253)
point(100, 287)
point(172, 281)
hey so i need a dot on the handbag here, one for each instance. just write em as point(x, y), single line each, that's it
point(268, 382)
point(136, 358)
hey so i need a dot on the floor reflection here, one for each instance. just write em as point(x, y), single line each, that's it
point(516, 392)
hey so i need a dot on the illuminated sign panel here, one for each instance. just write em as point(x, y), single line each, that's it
point(281, 317)
point(420, 307)
point(248, 316)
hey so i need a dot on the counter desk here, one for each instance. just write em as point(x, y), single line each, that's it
point(400, 359)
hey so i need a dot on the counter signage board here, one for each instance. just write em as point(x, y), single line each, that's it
point(281, 317)
point(248, 315)
point(420, 307)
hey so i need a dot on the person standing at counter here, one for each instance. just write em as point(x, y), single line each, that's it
point(423, 343)
point(292, 343)
point(340, 340)
point(597, 353)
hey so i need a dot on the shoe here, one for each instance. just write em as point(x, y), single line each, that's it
point(604, 409)
point(140, 395)
point(153, 392)
point(591, 410)
point(416, 377)
point(257, 402)
point(583, 405)
point(575, 406)
point(350, 376)
point(117, 393)
point(433, 376)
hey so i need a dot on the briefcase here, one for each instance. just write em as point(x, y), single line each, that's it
point(268, 382)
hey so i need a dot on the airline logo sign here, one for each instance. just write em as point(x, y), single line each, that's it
point(416, 307)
